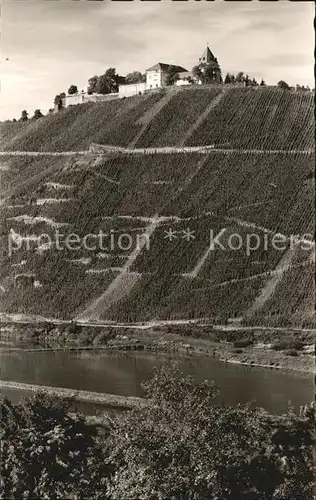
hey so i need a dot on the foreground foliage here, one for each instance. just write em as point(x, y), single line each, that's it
point(181, 446)
point(48, 453)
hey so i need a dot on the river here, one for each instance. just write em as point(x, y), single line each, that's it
point(122, 374)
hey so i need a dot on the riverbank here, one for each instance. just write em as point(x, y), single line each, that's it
point(272, 348)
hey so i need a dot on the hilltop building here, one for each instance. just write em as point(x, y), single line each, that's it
point(208, 65)
point(156, 76)
point(208, 70)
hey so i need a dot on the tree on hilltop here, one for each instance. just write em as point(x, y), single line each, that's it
point(58, 100)
point(135, 77)
point(283, 85)
point(212, 72)
point(58, 97)
point(172, 75)
point(37, 114)
point(208, 72)
point(92, 84)
point(240, 77)
point(106, 83)
point(262, 83)
point(73, 89)
point(197, 73)
point(228, 78)
point(24, 116)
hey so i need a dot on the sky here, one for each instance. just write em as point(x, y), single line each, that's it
point(53, 44)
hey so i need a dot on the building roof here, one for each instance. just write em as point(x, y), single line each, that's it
point(164, 67)
point(207, 56)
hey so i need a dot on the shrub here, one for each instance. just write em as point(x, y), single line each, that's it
point(238, 351)
point(291, 352)
point(243, 343)
point(282, 345)
point(182, 446)
point(46, 453)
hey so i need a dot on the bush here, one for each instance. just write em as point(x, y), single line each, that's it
point(182, 446)
point(282, 345)
point(46, 453)
point(291, 352)
point(100, 339)
point(243, 343)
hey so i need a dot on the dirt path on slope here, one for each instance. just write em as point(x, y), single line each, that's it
point(253, 277)
point(244, 223)
point(122, 285)
point(269, 288)
point(214, 102)
point(197, 268)
point(149, 115)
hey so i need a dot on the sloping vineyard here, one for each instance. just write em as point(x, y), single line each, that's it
point(259, 118)
point(76, 127)
point(179, 198)
point(169, 125)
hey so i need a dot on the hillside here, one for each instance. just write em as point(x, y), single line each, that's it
point(257, 182)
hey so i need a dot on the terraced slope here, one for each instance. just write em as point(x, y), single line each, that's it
point(159, 212)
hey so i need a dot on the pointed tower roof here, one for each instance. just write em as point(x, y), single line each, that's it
point(207, 56)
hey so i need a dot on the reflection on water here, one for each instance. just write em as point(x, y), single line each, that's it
point(122, 373)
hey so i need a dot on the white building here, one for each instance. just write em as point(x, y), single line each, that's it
point(186, 78)
point(156, 76)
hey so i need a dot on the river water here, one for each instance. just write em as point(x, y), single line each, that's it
point(122, 374)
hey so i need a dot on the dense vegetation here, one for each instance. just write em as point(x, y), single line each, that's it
point(107, 123)
point(180, 446)
point(184, 107)
point(245, 192)
point(259, 118)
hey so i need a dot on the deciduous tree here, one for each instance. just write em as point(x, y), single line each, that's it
point(24, 116)
point(184, 446)
point(73, 89)
point(48, 453)
point(283, 85)
point(58, 100)
point(172, 75)
point(135, 77)
point(37, 114)
point(92, 84)
point(108, 82)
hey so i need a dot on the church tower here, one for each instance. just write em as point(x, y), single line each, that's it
point(207, 56)
point(209, 67)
